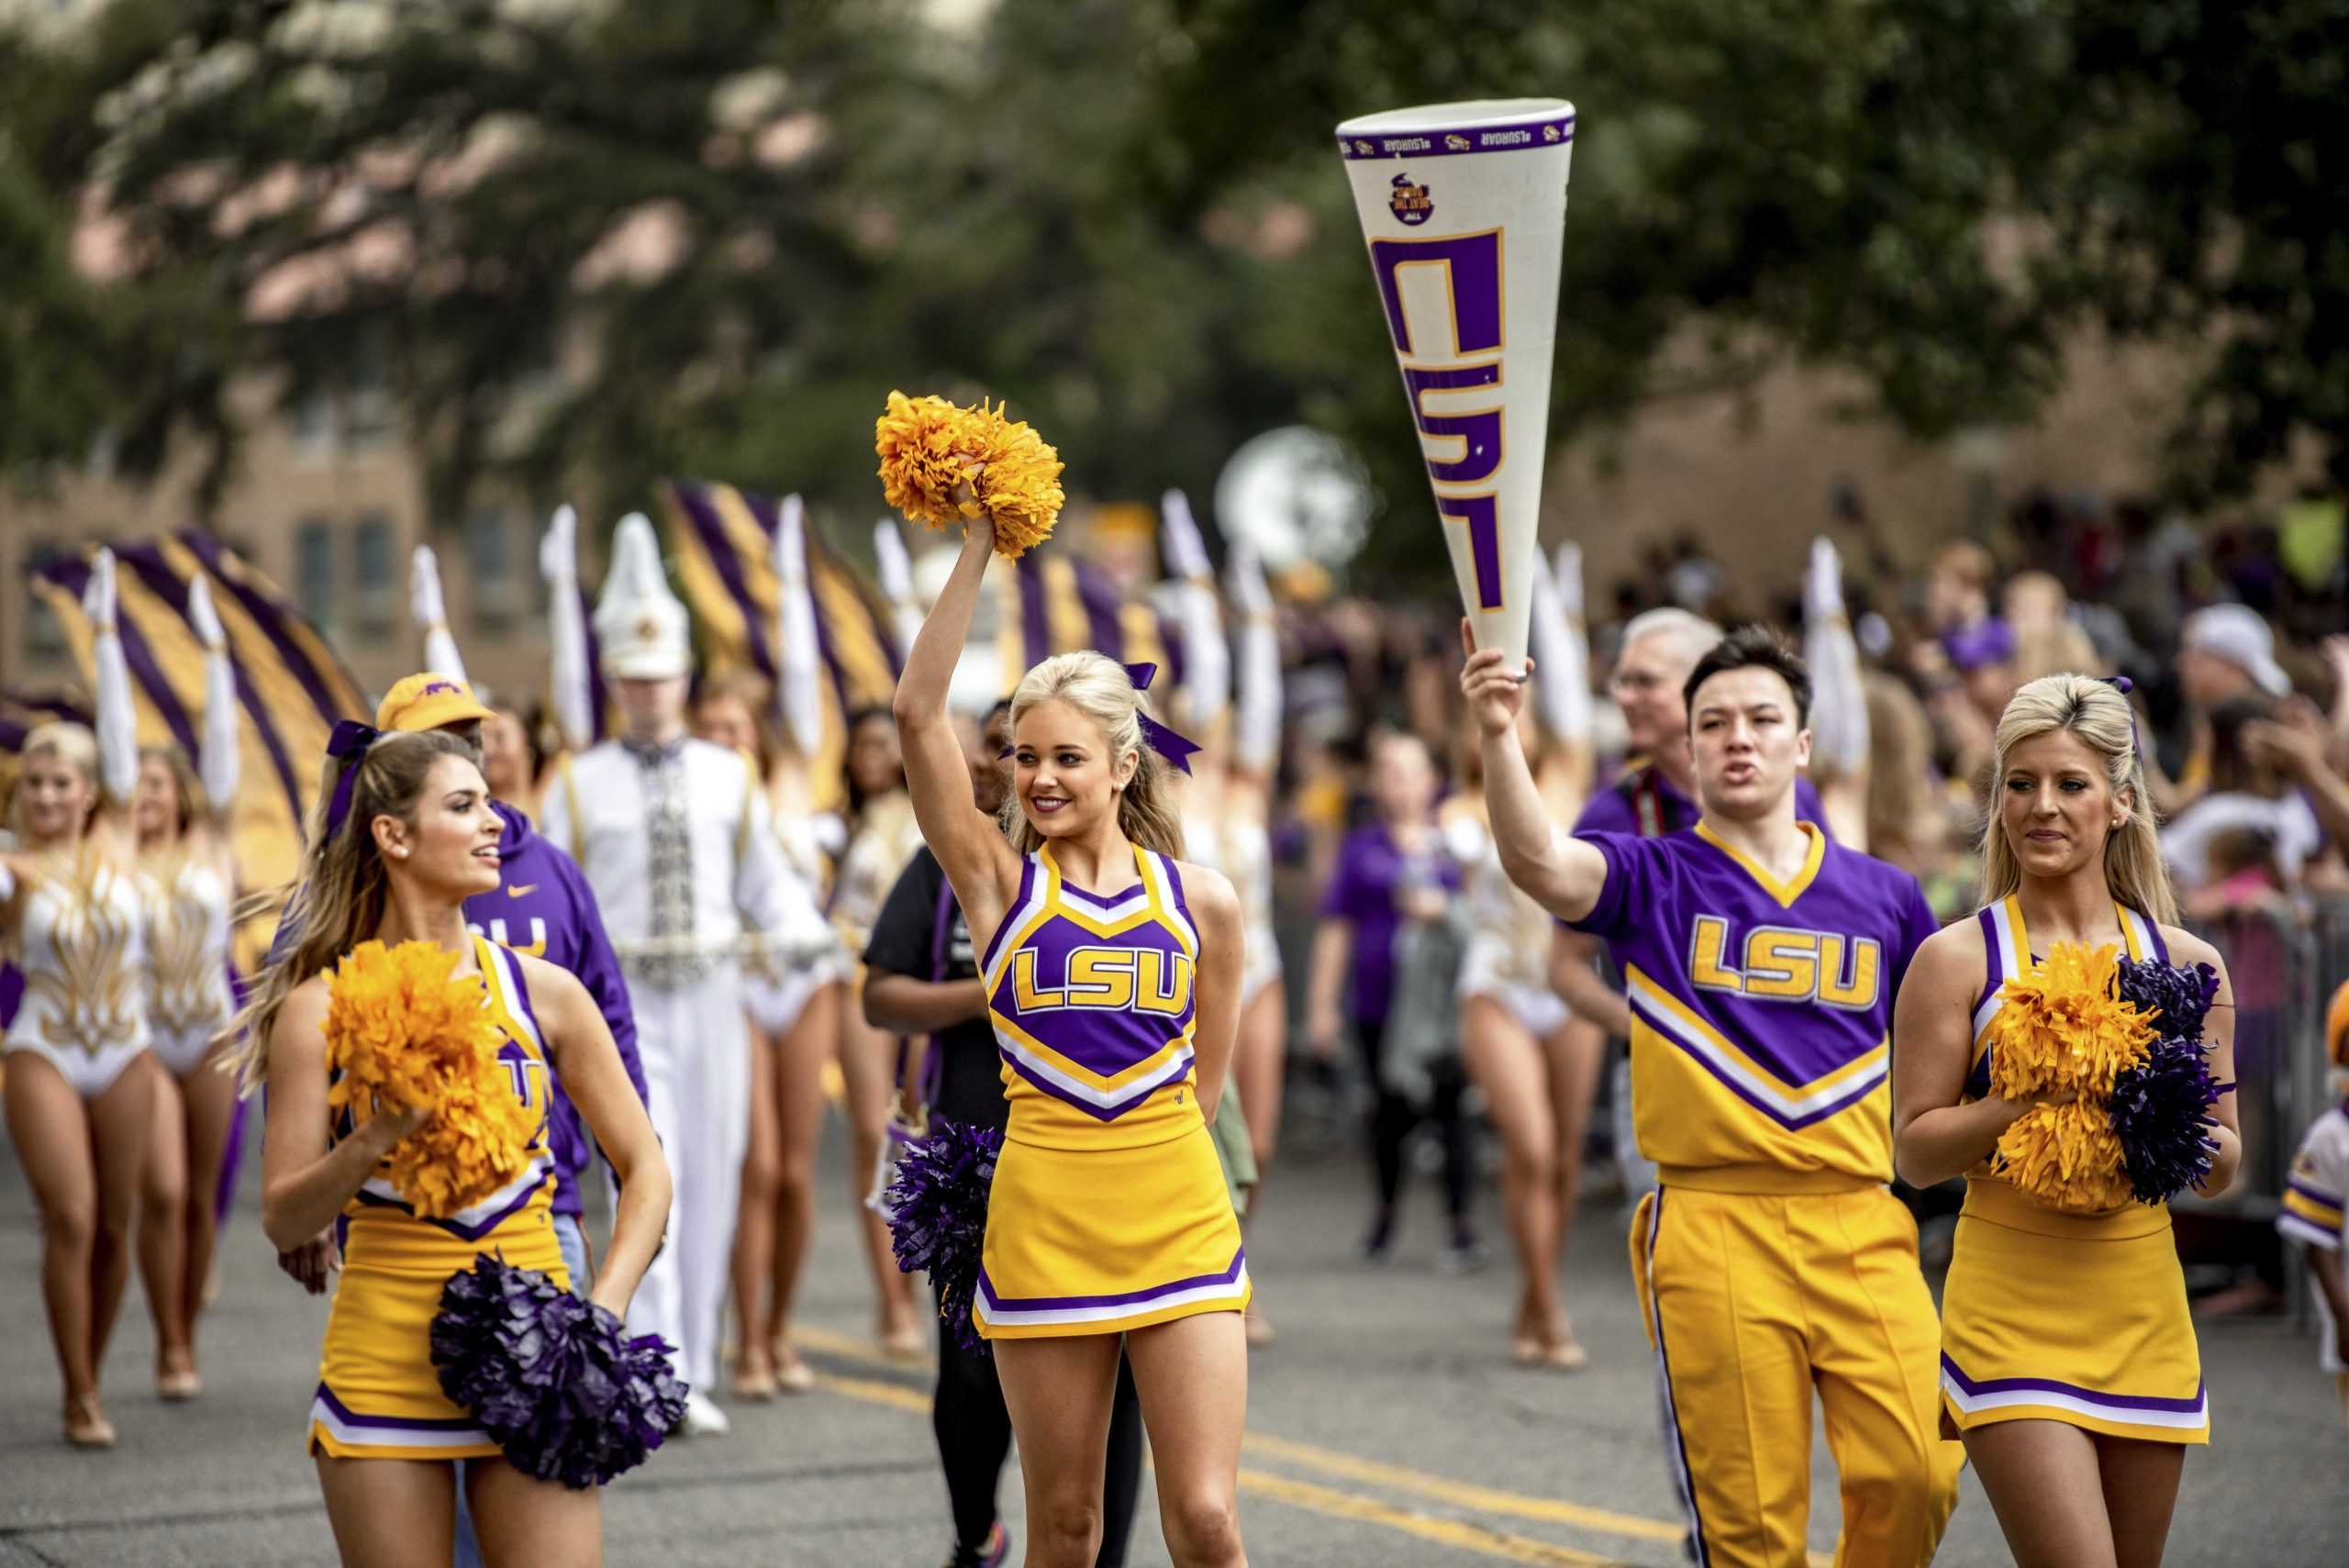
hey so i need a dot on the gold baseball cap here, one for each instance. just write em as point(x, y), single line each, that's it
point(428, 702)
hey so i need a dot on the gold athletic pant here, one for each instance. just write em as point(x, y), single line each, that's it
point(1752, 1300)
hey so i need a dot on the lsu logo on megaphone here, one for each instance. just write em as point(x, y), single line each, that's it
point(1452, 350)
point(1410, 203)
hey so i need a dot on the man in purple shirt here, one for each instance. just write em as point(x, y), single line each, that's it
point(1655, 795)
point(543, 907)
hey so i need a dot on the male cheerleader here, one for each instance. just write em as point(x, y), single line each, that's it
point(1760, 963)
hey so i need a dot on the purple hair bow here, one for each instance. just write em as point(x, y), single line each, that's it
point(1175, 748)
point(2124, 685)
point(347, 741)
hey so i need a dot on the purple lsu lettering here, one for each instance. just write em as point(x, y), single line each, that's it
point(1471, 267)
point(1121, 980)
point(525, 1069)
point(496, 931)
point(1785, 963)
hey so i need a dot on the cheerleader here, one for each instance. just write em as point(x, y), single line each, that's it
point(1112, 974)
point(408, 835)
point(1227, 810)
point(81, 1082)
point(2069, 1366)
point(184, 858)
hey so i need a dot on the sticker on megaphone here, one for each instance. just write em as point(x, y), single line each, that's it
point(1464, 206)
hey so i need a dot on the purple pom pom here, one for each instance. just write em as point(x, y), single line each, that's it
point(2158, 1115)
point(937, 1204)
point(2178, 995)
point(555, 1379)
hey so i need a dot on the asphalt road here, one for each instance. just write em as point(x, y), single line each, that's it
point(1386, 1426)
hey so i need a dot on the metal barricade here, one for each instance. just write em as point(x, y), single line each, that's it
point(2282, 964)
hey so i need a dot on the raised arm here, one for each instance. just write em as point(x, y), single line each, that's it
point(569, 682)
point(430, 613)
point(589, 1065)
point(978, 860)
point(116, 715)
point(1256, 718)
point(1560, 873)
point(217, 759)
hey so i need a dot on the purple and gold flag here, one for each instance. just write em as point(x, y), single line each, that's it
point(291, 688)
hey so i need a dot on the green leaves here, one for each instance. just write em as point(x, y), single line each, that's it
point(707, 235)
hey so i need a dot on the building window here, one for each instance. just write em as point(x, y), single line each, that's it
point(489, 556)
point(375, 605)
point(44, 633)
point(314, 574)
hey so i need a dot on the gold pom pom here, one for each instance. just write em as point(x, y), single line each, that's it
point(403, 1030)
point(2064, 1028)
point(928, 448)
point(2065, 1157)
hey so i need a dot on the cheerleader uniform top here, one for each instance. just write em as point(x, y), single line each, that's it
point(2007, 947)
point(188, 1000)
point(81, 942)
point(2054, 1314)
point(1091, 1000)
point(379, 1395)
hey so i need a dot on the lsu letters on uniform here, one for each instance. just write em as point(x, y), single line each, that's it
point(1773, 1259)
point(1110, 1211)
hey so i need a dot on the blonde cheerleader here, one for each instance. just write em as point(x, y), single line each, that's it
point(407, 836)
point(1112, 972)
point(2069, 1366)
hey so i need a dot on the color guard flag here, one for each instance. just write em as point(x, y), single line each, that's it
point(1464, 209)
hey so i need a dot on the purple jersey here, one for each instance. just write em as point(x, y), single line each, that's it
point(1091, 1001)
point(1761, 1012)
point(1371, 868)
point(1642, 800)
point(543, 907)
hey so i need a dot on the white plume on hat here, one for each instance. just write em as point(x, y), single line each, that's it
point(642, 626)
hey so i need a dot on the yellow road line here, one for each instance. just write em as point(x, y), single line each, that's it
point(1304, 1495)
point(897, 1396)
point(1462, 1494)
point(1351, 1467)
point(1456, 1533)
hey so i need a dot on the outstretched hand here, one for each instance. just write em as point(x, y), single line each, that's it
point(1495, 692)
point(978, 523)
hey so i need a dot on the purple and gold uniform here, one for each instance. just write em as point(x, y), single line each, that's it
point(2048, 1316)
point(1108, 1210)
point(378, 1395)
point(1773, 1259)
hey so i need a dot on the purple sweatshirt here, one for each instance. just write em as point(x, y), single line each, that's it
point(1362, 890)
point(543, 907)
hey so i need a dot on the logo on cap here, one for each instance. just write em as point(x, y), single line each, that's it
point(1411, 204)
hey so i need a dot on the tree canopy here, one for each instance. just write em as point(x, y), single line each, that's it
point(589, 245)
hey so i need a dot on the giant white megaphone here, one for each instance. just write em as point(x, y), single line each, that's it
point(1464, 209)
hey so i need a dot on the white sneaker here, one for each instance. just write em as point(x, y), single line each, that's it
point(703, 1418)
